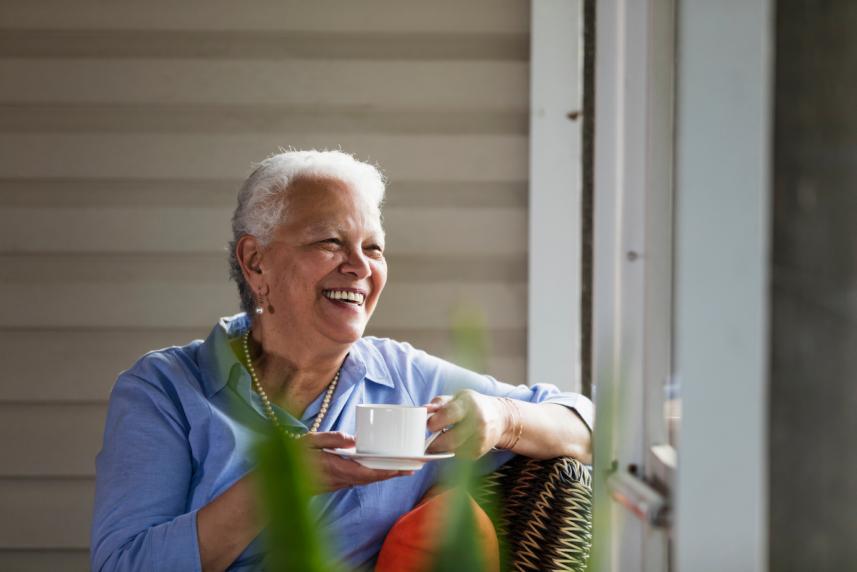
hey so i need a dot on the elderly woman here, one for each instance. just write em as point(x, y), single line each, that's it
point(175, 477)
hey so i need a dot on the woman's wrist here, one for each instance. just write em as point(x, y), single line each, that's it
point(514, 426)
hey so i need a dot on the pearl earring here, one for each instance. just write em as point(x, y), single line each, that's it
point(260, 304)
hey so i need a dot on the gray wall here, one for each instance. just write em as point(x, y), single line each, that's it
point(813, 458)
point(125, 129)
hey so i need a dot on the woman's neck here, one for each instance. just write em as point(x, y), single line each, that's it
point(293, 379)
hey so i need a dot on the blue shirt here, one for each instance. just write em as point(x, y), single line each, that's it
point(174, 441)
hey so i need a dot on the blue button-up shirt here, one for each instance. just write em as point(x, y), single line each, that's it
point(181, 424)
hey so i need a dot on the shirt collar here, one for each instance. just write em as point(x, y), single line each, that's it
point(366, 362)
point(363, 361)
point(217, 356)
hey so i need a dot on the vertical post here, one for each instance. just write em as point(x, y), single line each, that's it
point(632, 268)
point(554, 262)
point(619, 241)
point(723, 163)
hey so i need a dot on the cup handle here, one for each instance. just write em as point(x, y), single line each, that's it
point(430, 439)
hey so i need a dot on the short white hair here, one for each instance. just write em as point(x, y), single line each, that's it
point(263, 197)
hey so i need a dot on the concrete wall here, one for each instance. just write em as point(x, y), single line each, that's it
point(125, 129)
point(813, 458)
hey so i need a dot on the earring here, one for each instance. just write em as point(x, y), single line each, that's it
point(260, 303)
point(263, 304)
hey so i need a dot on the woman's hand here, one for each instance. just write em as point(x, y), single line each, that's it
point(335, 472)
point(480, 422)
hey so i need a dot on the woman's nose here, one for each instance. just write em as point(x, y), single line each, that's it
point(357, 263)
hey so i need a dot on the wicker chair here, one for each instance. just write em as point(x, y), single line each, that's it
point(542, 511)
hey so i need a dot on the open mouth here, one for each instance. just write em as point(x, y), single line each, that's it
point(347, 296)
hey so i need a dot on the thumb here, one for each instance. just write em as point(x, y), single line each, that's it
point(329, 440)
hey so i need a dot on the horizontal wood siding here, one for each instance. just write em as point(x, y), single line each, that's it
point(125, 130)
point(41, 560)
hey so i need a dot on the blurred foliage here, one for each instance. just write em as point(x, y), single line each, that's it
point(470, 344)
point(610, 424)
point(460, 548)
point(296, 541)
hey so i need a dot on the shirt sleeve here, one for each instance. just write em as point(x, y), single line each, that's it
point(143, 474)
point(440, 377)
point(446, 378)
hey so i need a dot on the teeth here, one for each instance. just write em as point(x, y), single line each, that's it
point(345, 295)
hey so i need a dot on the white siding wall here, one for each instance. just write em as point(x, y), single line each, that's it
point(125, 129)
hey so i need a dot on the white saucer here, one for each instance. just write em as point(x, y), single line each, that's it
point(408, 463)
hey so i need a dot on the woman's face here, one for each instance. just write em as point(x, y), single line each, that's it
point(325, 266)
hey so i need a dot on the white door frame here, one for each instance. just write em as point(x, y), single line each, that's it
point(632, 276)
point(723, 179)
point(706, 322)
point(553, 348)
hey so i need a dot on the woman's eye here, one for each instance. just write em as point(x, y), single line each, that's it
point(375, 249)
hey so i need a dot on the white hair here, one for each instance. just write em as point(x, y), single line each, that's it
point(263, 197)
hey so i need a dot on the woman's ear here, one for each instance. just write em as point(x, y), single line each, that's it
point(249, 255)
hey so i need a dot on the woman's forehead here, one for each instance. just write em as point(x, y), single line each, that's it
point(328, 227)
point(324, 196)
point(326, 217)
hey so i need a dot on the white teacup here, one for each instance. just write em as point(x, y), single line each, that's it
point(392, 430)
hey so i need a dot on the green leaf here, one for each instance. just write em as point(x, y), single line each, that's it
point(296, 541)
point(460, 548)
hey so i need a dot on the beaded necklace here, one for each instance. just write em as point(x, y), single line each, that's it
point(266, 402)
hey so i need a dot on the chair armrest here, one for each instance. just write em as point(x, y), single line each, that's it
point(542, 511)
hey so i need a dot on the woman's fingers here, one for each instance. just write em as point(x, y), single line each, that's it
point(329, 440)
point(478, 424)
point(438, 402)
point(447, 412)
point(336, 472)
point(345, 472)
point(450, 441)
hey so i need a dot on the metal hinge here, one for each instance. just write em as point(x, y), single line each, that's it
point(640, 498)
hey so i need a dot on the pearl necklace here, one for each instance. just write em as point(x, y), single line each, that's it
point(266, 402)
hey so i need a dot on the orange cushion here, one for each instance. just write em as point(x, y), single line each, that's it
point(414, 540)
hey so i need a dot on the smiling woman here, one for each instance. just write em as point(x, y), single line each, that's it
point(175, 476)
point(328, 250)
